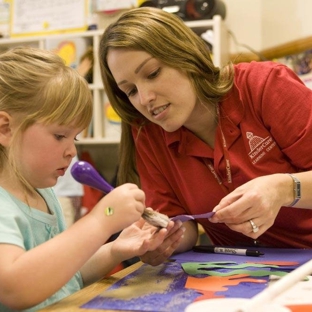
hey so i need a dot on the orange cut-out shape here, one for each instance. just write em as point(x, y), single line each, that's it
point(218, 283)
point(207, 295)
point(300, 308)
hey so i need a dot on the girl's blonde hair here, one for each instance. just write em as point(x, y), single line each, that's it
point(37, 86)
point(166, 37)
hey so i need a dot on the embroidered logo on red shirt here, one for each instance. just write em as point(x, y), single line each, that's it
point(259, 146)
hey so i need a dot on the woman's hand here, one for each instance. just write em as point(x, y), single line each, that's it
point(256, 202)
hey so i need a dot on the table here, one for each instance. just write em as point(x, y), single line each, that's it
point(73, 302)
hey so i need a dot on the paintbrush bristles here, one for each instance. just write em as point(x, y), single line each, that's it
point(155, 218)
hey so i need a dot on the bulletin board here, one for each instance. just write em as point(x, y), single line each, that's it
point(37, 17)
point(108, 6)
point(4, 18)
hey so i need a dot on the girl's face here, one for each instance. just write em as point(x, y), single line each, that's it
point(45, 152)
point(162, 94)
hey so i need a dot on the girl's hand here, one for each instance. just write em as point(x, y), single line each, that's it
point(137, 239)
point(120, 208)
point(159, 254)
point(258, 200)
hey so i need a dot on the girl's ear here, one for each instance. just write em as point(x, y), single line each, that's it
point(5, 128)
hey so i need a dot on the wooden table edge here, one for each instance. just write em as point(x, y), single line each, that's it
point(73, 302)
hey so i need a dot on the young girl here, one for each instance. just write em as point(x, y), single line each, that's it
point(44, 105)
point(233, 140)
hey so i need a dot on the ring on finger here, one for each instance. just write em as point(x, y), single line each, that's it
point(255, 228)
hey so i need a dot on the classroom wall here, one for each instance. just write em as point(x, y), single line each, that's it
point(264, 24)
point(260, 24)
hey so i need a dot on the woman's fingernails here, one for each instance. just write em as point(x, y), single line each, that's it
point(215, 209)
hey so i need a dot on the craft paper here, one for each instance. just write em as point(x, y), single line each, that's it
point(149, 288)
point(216, 283)
point(299, 256)
point(192, 267)
point(258, 273)
point(168, 288)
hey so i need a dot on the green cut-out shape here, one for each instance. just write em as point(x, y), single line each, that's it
point(193, 266)
point(253, 273)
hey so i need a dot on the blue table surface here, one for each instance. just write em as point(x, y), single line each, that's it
point(270, 254)
point(176, 297)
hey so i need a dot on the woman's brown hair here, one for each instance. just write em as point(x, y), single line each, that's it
point(166, 37)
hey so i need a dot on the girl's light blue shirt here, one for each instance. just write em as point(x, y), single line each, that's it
point(27, 228)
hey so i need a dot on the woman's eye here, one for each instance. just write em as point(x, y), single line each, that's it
point(154, 74)
point(131, 92)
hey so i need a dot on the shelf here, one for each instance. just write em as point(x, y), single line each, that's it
point(220, 35)
point(99, 123)
point(92, 86)
point(93, 141)
point(200, 26)
point(26, 39)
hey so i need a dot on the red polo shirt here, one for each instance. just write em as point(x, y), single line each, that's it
point(266, 120)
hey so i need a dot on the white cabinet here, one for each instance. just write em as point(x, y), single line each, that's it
point(220, 37)
point(100, 133)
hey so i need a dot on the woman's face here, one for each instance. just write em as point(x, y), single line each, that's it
point(162, 94)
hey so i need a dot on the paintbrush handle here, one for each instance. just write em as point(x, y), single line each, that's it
point(85, 173)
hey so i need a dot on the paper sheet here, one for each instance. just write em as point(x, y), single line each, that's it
point(34, 17)
point(168, 288)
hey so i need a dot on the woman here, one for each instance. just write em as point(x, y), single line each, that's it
point(198, 138)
